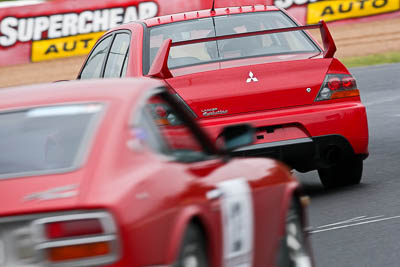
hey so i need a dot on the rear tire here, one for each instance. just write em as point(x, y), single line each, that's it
point(193, 249)
point(294, 250)
point(342, 174)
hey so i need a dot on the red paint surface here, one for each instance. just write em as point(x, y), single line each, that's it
point(280, 96)
point(113, 176)
point(278, 86)
point(330, 117)
point(206, 13)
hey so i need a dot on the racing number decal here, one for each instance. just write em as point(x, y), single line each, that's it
point(237, 219)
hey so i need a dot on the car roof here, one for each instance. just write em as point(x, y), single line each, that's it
point(109, 90)
point(205, 14)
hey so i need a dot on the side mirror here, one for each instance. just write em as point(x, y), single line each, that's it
point(233, 137)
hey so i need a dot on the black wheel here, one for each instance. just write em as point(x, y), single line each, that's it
point(294, 250)
point(193, 249)
point(342, 174)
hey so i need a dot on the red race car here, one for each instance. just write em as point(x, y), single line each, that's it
point(117, 173)
point(250, 64)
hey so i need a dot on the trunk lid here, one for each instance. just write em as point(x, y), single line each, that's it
point(40, 193)
point(251, 88)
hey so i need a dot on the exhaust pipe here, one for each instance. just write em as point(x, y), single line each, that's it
point(333, 154)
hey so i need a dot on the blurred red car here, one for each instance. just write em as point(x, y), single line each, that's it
point(117, 173)
point(251, 64)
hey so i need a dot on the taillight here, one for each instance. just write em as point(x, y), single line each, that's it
point(349, 83)
point(78, 252)
point(334, 83)
point(65, 229)
point(163, 115)
point(161, 111)
point(80, 239)
point(337, 86)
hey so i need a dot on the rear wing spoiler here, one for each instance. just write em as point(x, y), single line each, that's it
point(159, 68)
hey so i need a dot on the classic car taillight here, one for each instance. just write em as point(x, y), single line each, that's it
point(85, 239)
point(65, 229)
point(78, 252)
point(337, 86)
point(161, 111)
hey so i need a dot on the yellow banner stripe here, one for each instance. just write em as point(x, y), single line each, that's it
point(343, 9)
point(64, 47)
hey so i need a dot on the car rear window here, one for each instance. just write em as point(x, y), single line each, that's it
point(46, 140)
point(182, 31)
point(260, 45)
point(253, 46)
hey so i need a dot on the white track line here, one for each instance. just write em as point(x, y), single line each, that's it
point(355, 224)
point(356, 219)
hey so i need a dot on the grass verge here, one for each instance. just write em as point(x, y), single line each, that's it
point(375, 59)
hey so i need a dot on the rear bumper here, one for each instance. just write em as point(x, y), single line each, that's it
point(304, 154)
point(342, 123)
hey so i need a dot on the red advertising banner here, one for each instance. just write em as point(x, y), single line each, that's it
point(38, 30)
point(61, 28)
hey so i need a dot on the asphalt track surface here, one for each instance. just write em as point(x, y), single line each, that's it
point(360, 225)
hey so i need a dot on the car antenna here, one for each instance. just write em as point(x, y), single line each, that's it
point(213, 6)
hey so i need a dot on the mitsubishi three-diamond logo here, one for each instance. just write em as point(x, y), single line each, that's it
point(251, 78)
